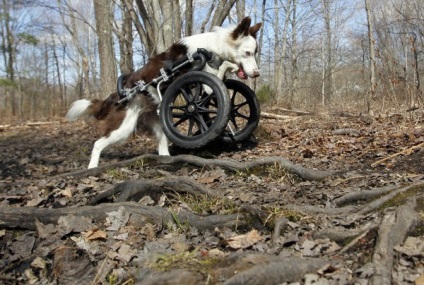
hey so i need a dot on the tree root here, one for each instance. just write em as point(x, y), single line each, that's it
point(26, 217)
point(134, 189)
point(238, 269)
point(258, 269)
point(365, 195)
point(379, 202)
point(230, 165)
point(393, 231)
point(280, 224)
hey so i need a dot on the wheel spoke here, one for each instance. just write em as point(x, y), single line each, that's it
point(197, 92)
point(186, 94)
point(183, 118)
point(238, 106)
point(204, 110)
point(190, 127)
point(239, 115)
point(234, 122)
point(233, 97)
point(203, 127)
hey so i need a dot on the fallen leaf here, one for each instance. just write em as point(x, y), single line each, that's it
point(117, 219)
point(67, 193)
point(244, 241)
point(125, 253)
point(420, 280)
point(95, 234)
point(39, 263)
point(412, 247)
point(35, 202)
point(2, 233)
point(123, 236)
point(32, 279)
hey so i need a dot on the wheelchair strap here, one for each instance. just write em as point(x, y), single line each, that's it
point(215, 61)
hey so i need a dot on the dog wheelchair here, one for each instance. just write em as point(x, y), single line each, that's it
point(196, 107)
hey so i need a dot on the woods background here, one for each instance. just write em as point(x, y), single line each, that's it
point(361, 55)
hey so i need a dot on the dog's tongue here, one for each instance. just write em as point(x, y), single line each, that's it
point(241, 74)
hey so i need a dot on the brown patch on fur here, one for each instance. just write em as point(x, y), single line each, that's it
point(253, 31)
point(152, 69)
point(110, 115)
point(242, 29)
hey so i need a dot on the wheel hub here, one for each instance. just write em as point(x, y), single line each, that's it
point(191, 108)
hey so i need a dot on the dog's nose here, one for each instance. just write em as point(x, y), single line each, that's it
point(256, 74)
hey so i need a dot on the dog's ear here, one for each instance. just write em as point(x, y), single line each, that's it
point(242, 29)
point(253, 30)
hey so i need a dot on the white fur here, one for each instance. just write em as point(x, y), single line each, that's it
point(117, 136)
point(79, 109)
point(239, 52)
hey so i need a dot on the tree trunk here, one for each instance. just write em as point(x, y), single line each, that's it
point(328, 70)
point(371, 41)
point(125, 39)
point(241, 10)
point(108, 74)
point(280, 51)
point(10, 42)
point(189, 18)
point(294, 74)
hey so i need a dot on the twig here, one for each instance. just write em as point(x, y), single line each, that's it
point(397, 154)
point(274, 116)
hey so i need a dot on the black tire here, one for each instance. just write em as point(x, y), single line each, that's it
point(188, 119)
point(245, 112)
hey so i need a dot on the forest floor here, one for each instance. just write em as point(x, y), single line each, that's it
point(315, 199)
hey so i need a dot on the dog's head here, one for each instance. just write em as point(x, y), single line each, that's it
point(243, 38)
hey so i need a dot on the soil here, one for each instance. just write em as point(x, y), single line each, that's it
point(281, 216)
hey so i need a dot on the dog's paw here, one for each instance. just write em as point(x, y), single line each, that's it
point(231, 67)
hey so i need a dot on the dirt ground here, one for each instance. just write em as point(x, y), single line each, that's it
point(276, 220)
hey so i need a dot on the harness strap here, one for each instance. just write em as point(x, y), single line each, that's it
point(215, 61)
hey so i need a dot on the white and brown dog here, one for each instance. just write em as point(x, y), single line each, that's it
point(236, 48)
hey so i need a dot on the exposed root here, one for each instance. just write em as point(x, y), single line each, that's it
point(133, 189)
point(393, 231)
point(372, 206)
point(26, 217)
point(365, 195)
point(231, 165)
point(280, 224)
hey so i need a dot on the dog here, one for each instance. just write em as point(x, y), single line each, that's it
point(234, 49)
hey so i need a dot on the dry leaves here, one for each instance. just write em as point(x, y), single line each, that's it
point(244, 241)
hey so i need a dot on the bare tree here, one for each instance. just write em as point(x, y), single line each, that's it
point(82, 61)
point(189, 18)
point(371, 41)
point(327, 89)
point(158, 23)
point(108, 74)
point(125, 37)
point(280, 47)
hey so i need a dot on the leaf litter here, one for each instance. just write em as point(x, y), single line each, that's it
point(81, 247)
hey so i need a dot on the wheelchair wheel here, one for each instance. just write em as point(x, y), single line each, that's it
point(188, 118)
point(245, 112)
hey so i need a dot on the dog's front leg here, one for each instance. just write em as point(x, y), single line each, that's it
point(226, 65)
point(119, 135)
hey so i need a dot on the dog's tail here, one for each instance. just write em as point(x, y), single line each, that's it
point(99, 109)
point(80, 109)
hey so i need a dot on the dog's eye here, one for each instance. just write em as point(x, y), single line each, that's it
point(248, 53)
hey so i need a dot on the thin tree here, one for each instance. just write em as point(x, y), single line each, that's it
point(371, 41)
point(108, 73)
